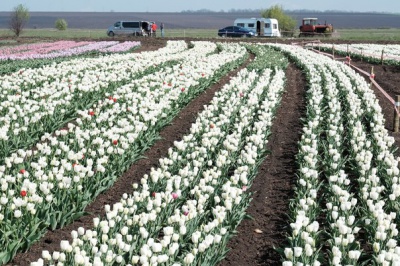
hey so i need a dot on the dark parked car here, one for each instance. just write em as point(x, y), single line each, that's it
point(235, 31)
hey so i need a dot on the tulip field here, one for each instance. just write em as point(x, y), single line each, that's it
point(71, 128)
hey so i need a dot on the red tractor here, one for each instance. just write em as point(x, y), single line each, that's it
point(310, 27)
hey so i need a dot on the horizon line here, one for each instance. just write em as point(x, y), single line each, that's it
point(211, 11)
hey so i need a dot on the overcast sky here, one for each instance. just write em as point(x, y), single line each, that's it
point(391, 6)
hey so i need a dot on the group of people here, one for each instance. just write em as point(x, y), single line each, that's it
point(152, 29)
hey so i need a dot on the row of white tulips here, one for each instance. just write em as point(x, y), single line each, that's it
point(389, 53)
point(228, 203)
point(182, 212)
point(43, 98)
point(74, 163)
point(304, 247)
point(341, 211)
point(370, 162)
point(377, 169)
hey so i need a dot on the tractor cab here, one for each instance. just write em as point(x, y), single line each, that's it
point(309, 24)
point(310, 21)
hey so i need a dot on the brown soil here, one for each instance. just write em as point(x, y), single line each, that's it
point(388, 77)
point(273, 186)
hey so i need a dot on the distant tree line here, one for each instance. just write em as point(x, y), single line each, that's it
point(233, 10)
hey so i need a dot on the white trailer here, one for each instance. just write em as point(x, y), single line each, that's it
point(263, 26)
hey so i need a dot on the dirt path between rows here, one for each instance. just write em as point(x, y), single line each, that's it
point(273, 185)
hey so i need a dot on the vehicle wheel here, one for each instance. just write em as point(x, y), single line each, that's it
point(224, 35)
point(244, 36)
point(111, 34)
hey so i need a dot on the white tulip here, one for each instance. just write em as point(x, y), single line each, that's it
point(298, 251)
point(189, 258)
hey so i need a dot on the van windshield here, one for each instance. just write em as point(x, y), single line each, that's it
point(117, 24)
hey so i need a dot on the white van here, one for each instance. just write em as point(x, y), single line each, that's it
point(263, 26)
point(136, 28)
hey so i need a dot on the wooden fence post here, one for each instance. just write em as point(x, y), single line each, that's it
point(396, 116)
point(333, 51)
point(383, 51)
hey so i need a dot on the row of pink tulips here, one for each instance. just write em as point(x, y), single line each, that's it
point(62, 48)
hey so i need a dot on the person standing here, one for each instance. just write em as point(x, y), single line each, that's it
point(148, 29)
point(154, 28)
point(162, 29)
